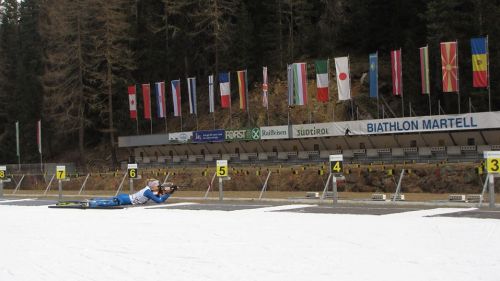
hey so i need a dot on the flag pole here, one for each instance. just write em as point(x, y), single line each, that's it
point(213, 115)
point(458, 78)
point(430, 107)
point(246, 97)
point(137, 124)
point(376, 77)
point(39, 137)
point(17, 146)
point(488, 74)
point(402, 92)
point(351, 99)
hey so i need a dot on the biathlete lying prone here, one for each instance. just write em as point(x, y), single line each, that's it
point(153, 191)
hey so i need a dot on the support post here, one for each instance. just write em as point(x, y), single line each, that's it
point(48, 186)
point(323, 196)
point(131, 185)
point(210, 186)
point(398, 189)
point(60, 190)
point(264, 187)
point(121, 184)
point(1, 188)
point(18, 185)
point(83, 184)
point(334, 189)
point(221, 189)
point(491, 187)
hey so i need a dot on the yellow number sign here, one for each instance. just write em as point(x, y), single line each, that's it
point(336, 164)
point(2, 172)
point(222, 169)
point(60, 172)
point(493, 165)
point(132, 171)
point(492, 161)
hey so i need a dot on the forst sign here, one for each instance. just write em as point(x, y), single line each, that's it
point(243, 134)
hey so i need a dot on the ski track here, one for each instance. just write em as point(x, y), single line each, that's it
point(153, 244)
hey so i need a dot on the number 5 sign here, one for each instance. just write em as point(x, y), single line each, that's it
point(336, 166)
point(60, 172)
point(492, 161)
point(222, 169)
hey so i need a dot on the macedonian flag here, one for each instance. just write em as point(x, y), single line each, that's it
point(479, 47)
point(449, 66)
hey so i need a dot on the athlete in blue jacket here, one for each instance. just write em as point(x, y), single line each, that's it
point(153, 191)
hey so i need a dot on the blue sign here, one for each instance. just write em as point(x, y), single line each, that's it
point(209, 136)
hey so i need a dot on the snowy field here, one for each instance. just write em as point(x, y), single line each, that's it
point(38, 243)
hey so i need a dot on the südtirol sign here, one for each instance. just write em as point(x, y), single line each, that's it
point(312, 130)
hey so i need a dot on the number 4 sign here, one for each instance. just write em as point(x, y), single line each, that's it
point(336, 166)
point(492, 161)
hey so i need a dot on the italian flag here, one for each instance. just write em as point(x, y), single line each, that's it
point(322, 80)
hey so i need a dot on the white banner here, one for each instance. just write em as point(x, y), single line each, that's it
point(274, 132)
point(312, 130)
point(180, 137)
point(459, 122)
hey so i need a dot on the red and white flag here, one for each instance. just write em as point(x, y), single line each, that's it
point(264, 87)
point(343, 78)
point(132, 102)
point(146, 95)
point(39, 136)
point(397, 73)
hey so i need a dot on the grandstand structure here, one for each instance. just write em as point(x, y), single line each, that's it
point(423, 139)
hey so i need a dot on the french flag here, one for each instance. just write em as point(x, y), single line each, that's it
point(160, 99)
point(225, 90)
point(176, 97)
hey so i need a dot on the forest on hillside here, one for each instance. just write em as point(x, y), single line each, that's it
point(69, 62)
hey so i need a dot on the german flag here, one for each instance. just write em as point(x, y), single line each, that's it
point(479, 47)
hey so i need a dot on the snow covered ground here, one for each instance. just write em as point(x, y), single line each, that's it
point(38, 243)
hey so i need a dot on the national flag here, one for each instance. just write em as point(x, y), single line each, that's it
point(146, 95)
point(265, 102)
point(290, 84)
point(242, 88)
point(132, 102)
point(160, 99)
point(225, 90)
point(373, 60)
point(343, 78)
point(17, 139)
point(192, 95)
point(39, 135)
point(176, 97)
point(449, 66)
point(397, 73)
point(424, 70)
point(479, 47)
point(322, 81)
point(211, 93)
point(300, 83)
